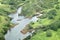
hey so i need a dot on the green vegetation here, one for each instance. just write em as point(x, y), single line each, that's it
point(33, 6)
point(54, 35)
point(48, 24)
point(5, 24)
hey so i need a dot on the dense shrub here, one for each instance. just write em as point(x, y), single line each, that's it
point(50, 17)
point(34, 34)
point(54, 26)
point(45, 28)
point(11, 3)
point(27, 38)
point(57, 7)
point(23, 0)
point(1, 36)
point(51, 14)
point(48, 33)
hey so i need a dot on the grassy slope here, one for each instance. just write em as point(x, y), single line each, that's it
point(42, 36)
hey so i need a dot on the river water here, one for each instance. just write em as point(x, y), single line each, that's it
point(14, 33)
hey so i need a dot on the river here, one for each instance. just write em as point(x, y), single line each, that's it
point(14, 33)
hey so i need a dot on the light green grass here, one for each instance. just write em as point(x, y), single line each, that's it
point(42, 36)
point(36, 25)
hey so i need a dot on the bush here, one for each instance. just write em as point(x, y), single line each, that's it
point(32, 23)
point(30, 27)
point(57, 7)
point(46, 28)
point(1, 36)
point(23, 0)
point(51, 14)
point(34, 34)
point(12, 2)
point(54, 26)
point(27, 38)
point(48, 33)
point(50, 17)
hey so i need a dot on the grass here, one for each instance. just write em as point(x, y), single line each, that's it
point(44, 22)
point(42, 36)
point(35, 24)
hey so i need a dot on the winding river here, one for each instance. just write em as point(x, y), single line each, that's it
point(14, 33)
